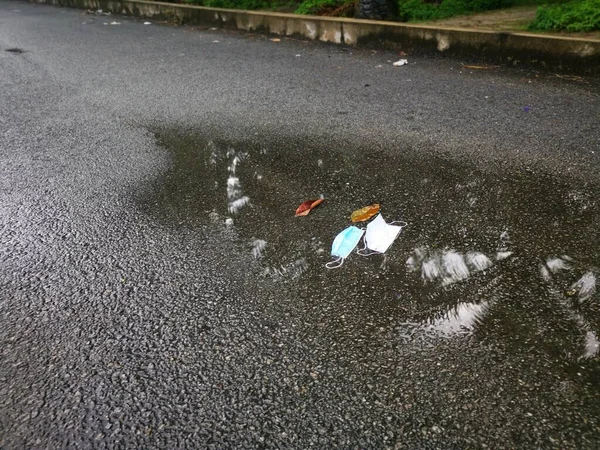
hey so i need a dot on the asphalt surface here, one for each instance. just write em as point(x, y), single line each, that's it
point(156, 290)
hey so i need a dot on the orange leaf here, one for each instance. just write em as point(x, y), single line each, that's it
point(307, 206)
point(362, 214)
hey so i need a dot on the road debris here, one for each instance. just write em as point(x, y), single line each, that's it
point(99, 12)
point(362, 214)
point(307, 206)
point(401, 62)
point(380, 235)
point(115, 23)
point(275, 40)
point(343, 244)
point(474, 67)
point(147, 23)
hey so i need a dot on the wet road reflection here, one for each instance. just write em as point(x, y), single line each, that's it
point(477, 255)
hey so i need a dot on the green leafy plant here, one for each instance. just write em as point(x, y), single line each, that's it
point(419, 10)
point(235, 4)
point(578, 15)
point(318, 6)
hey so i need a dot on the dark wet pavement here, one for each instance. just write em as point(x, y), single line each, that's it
point(480, 246)
point(158, 292)
point(499, 261)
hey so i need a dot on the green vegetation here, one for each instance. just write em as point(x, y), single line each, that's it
point(554, 15)
point(321, 6)
point(418, 10)
point(241, 4)
point(578, 15)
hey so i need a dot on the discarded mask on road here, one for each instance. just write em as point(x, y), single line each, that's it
point(343, 244)
point(380, 235)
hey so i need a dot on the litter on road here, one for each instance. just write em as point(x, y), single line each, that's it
point(343, 244)
point(380, 235)
point(147, 23)
point(400, 62)
point(476, 67)
point(308, 206)
point(98, 12)
point(362, 214)
point(115, 23)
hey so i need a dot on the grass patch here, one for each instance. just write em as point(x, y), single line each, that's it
point(317, 7)
point(325, 7)
point(553, 15)
point(268, 5)
point(578, 15)
point(418, 10)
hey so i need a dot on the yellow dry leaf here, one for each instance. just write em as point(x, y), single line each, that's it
point(362, 214)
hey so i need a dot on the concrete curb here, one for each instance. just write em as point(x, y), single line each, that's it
point(574, 55)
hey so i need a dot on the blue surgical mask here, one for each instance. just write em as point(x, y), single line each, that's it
point(343, 244)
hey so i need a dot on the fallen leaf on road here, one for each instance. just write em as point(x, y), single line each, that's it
point(476, 67)
point(308, 206)
point(275, 40)
point(362, 214)
point(571, 77)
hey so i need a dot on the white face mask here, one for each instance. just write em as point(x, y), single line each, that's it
point(380, 236)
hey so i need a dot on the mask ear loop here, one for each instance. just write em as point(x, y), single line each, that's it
point(400, 221)
point(336, 264)
point(361, 251)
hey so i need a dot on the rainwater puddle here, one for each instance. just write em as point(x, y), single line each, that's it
point(505, 255)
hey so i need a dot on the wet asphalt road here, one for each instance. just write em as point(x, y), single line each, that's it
point(157, 292)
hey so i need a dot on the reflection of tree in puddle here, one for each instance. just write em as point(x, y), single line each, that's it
point(557, 272)
point(258, 247)
point(291, 270)
point(446, 266)
point(235, 196)
point(449, 272)
point(463, 317)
